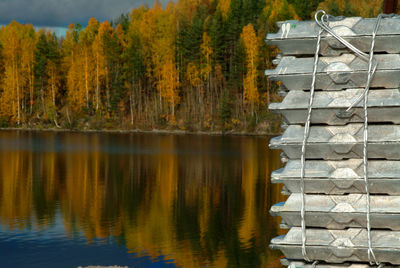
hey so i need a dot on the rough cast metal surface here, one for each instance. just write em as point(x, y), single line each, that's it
point(299, 264)
point(335, 73)
point(340, 177)
point(329, 106)
point(339, 142)
point(298, 37)
point(339, 246)
point(340, 211)
point(336, 198)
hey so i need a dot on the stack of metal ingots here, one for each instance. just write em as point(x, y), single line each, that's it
point(334, 184)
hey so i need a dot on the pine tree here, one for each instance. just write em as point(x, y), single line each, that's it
point(40, 66)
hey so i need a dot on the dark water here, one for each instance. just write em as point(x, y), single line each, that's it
point(75, 199)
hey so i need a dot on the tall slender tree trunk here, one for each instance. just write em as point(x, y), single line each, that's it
point(13, 87)
point(210, 93)
point(42, 100)
point(139, 98)
point(31, 90)
point(108, 91)
point(18, 100)
point(131, 106)
point(69, 118)
point(53, 91)
point(87, 79)
point(97, 83)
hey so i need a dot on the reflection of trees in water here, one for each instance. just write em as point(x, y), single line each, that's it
point(199, 201)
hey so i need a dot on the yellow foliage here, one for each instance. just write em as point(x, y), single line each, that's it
point(219, 76)
point(193, 75)
point(157, 30)
point(18, 43)
point(223, 6)
point(76, 89)
point(187, 8)
point(81, 64)
point(169, 83)
point(277, 10)
point(120, 34)
point(206, 52)
point(251, 44)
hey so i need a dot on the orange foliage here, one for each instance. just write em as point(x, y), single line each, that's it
point(168, 84)
point(206, 52)
point(81, 64)
point(251, 44)
point(157, 33)
point(193, 75)
point(223, 7)
point(277, 10)
point(187, 7)
point(18, 45)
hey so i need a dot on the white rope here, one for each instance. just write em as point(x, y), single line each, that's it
point(303, 148)
point(314, 264)
point(371, 72)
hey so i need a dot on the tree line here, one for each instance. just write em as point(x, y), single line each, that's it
point(192, 65)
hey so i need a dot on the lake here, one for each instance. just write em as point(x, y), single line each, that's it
point(139, 200)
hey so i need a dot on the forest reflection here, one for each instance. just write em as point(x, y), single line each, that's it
point(192, 200)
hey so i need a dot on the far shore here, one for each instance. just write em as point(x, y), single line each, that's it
point(154, 131)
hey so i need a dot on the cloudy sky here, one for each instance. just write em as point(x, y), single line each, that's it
point(60, 13)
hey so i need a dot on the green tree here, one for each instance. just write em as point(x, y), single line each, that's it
point(334, 9)
point(305, 8)
point(40, 64)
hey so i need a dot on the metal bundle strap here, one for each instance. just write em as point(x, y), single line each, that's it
point(303, 147)
point(372, 65)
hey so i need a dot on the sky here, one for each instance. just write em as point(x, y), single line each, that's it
point(58, 14)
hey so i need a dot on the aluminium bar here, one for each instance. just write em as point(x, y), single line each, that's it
point(299, 37)
point(340, 246)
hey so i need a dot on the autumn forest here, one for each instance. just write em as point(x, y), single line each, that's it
point(193, 65)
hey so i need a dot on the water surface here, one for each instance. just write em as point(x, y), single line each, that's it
point(141, 200)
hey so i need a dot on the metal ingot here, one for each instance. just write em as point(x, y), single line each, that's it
point(329, 107)
point(299, 37)
point(340, 211)
point(339, 246)
point(301, 264)
point(337, 204)
point(340, 142)
point(335, 73)
point(340, 177)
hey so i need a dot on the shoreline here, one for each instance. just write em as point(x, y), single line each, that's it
point(139, 131)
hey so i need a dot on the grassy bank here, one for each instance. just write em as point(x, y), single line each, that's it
point(268, 125)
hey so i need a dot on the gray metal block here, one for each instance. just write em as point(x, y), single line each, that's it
point(300, 264)
point(335, 73)
point(340, 211)
point(340, 177)
point(329, 107)
point(299, 37)
point(340, 142)
point(339, 246)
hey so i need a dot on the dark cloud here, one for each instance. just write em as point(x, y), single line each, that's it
point(64, 12)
